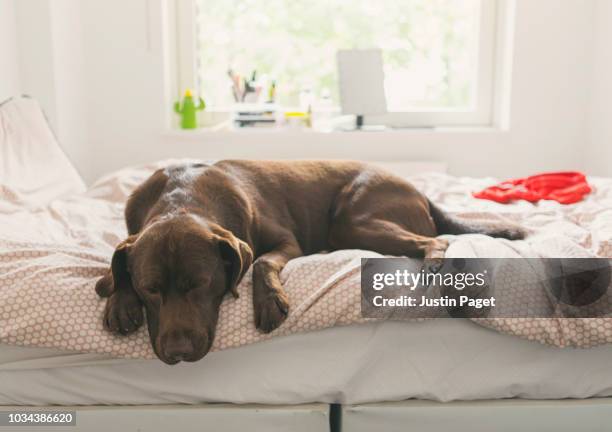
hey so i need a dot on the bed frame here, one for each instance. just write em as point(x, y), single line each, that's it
point(505, 415)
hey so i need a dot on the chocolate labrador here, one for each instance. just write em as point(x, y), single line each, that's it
point(195, 229)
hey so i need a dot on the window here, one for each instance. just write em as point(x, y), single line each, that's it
point(438, 54)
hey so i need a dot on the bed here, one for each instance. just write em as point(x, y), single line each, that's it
point(445, 360)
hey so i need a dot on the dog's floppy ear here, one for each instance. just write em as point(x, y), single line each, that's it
point(118, 278)
point(237, 257)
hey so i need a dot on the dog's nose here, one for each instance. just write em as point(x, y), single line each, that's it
point(178, 346)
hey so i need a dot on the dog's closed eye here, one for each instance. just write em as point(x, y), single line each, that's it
point(152, 289)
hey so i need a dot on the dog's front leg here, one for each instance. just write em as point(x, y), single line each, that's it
point(270, 302)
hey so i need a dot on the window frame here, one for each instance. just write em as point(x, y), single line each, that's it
point(491, 61)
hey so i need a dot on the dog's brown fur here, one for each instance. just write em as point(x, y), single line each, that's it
point(195, 229)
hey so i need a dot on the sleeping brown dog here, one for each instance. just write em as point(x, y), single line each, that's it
point(195, 229)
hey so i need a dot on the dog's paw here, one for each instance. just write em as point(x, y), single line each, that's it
point(271, 311)
point(436, 249)
point(123, 313)
point(432, 265)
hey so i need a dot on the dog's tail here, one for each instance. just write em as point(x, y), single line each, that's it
point(447, 224)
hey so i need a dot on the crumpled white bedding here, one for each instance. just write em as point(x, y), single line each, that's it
point(33, 167)
point(51, 256)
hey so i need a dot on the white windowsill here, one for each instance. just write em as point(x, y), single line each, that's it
point(203, 133)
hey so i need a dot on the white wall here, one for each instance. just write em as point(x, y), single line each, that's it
point(72, 91)
point(123, 103)
point(599, 155)
point(36, 53)
point(53, 71)
point(125, 79)
point(9, 67)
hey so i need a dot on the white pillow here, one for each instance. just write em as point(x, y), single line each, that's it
point(33, 167)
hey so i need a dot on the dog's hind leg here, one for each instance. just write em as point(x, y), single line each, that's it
point(386, 237)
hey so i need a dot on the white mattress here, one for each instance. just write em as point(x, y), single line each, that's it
point(442, 360)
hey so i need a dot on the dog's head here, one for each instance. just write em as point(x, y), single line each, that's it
point(181, 268)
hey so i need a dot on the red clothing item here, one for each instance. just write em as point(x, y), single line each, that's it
point(564, 187)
